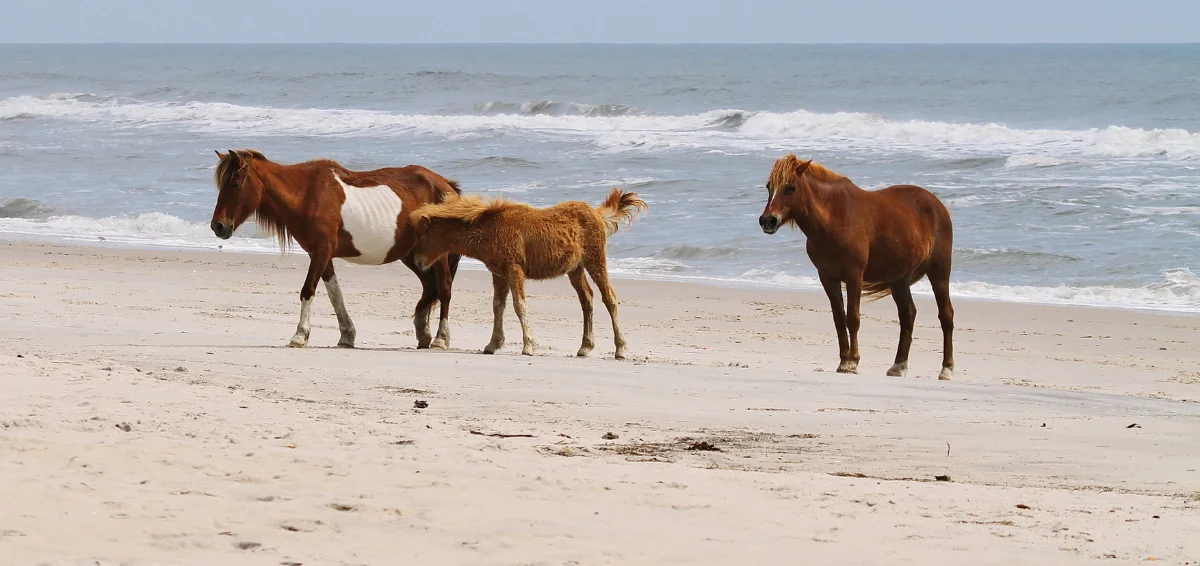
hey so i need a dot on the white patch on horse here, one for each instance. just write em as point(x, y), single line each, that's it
point(370, 215)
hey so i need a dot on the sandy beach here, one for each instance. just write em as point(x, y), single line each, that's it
point(151, 415)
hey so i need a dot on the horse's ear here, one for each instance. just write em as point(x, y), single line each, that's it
point(220, 155)
point(420, 224)
point(802, 166)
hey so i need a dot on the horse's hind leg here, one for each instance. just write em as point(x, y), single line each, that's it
point(424, 304)
point(500, 290)
point(345, 325)
point(853, 318)
point(516, 282)
point(599, 272)
point(907, 311)
point(445, 279)
point(317, 264)
point(579, 281)
point(939, 279)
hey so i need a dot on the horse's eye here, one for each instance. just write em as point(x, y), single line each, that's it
point(789, 189)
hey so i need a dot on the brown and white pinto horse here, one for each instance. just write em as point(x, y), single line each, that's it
point(331, 211)
point(877, 242)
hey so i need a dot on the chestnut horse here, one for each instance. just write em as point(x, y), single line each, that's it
point(331, 211)
point(875, 242)
point(516, 241)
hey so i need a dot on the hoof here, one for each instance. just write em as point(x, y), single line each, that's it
point(848, 367)
point(945, 374)
point(347, 345)
point(898, 370)
point(297, 343)
point(527, 351)
point(619, 355)
point(439, 345)
point(491, 348)
point(582, 353)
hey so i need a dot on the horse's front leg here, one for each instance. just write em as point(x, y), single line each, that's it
point(318, 261)
point(833, 289)
point(444, 281)
point(345, 325)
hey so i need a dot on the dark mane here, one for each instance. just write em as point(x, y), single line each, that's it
point(264, 217)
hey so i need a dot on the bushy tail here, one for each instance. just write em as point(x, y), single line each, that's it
point(620, 206)
point(877, 290)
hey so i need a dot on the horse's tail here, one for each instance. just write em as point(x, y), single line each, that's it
point(620, 206)
point(877, 290)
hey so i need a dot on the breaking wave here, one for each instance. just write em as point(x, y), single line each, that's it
point(618, 127)
point(150, 229)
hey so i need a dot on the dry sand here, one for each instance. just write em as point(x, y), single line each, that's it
point(151, 415)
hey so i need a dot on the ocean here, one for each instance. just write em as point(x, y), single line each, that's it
point(1072, 171)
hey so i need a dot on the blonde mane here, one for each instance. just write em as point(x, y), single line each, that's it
point(785, 171)
point(466, 208)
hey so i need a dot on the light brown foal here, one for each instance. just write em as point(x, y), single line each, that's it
point(516, 241)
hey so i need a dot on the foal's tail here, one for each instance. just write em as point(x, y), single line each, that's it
point(620, 206)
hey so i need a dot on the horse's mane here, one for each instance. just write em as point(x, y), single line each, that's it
point(785, 169)
point(266, 220)
point(468, 208)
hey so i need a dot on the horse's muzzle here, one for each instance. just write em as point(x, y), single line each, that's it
point(769, 223)
point(223, 231)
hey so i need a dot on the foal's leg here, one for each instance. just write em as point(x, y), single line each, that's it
point(599, 273)
point(516, 282)
point(907, 310)
point(941, 293)
point(853, 301)
point(345, 325)
point(833, 289)
point(318, 261)
point(424, 304)
point(500, 295)
point(444, 279)
point(579, 281)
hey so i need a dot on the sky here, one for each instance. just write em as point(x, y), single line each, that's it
point(605, 21)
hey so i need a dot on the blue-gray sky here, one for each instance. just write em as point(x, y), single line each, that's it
point(599, 21)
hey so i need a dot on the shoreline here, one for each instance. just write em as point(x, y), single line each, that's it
point(741, 282)
point(153, 415)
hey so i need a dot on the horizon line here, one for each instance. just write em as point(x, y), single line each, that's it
point(592, 43)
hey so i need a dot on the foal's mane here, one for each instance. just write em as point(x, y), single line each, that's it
point(467, 208)
point(785, 171)
point(267, 219)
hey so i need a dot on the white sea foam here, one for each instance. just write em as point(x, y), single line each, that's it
point(1179, 289)
point(151, 229)
point(736, 129)
point(1025, 160)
